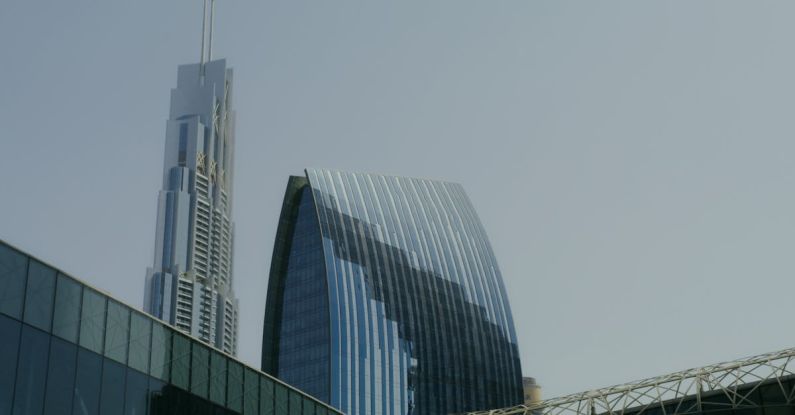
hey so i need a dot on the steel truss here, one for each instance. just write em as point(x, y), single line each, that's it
point(729, 385)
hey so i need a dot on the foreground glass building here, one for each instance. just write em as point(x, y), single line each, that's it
point(66, 348)
point(385, 298)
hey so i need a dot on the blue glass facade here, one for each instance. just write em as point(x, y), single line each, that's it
point(385, 298)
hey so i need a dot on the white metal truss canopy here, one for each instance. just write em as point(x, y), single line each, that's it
point(723, 386)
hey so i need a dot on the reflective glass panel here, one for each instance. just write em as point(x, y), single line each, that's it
point(60, 377)
point(217, 378)
point(66, 318)
point(234, 396)
point(39, 295)
point(87, 383)
point(199, 370)
point(92, 321)
point(251, 394)
point(157, 397)
point(295, 403)
point(117, 332)
point(135, 398)
point(9, 347)
point(13, 269)
point(113, 377)
point(180, 361)
point(140, 334)
point(266, 398)
point(160, 362)
point(31, 372)
point(280, 399)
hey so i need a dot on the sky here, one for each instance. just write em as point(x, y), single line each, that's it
point(631, 161)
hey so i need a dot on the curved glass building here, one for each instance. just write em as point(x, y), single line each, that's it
point(385, 298)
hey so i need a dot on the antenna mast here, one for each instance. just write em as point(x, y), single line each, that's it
point(212, 23)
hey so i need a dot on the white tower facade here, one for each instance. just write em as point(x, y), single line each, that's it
point(190, 282)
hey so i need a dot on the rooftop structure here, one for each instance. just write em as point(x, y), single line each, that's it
point(747, 386)
point(68, 348)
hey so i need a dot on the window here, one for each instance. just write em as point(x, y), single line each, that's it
point(66, 318)
point(13, 268)
point(295, 403)
point(140, 335)
point(183, 143)
point(180, 362)
point(31, 371)
point(92, 321)
point(280, 399)
point(87, 383)
point(60, 377)
point(199, 370)
point(157, 397)
point(39, 296)
point(135, 399)
point(9, 346)
point(266, 401)
point(117, 332)
point(218, 378)
point(251, 390)
point(234, 396)
point(160, 360)
point(113, 377)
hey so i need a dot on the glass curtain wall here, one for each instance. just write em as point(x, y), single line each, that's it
point(68, 349)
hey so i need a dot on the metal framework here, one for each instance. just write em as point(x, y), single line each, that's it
point(729, 385)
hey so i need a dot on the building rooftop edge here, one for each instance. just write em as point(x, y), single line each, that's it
point(175, 329)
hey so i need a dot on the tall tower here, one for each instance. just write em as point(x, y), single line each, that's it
point(385, 298)
point(190, 282)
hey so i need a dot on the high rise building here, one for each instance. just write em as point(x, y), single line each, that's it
point(385, 298)
point(190, 282)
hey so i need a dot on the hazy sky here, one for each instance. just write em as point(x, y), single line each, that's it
point(633, 162)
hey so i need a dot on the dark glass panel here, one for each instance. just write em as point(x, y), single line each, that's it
point(200, 370)
point(181, 402)
point(117, 332)
point(87, 383)
point(140, 335)
point(113, 377)
point(234, 396)
point(295, 403)
point(39, 295)
point(266, 398)
point(280, 404)
point(309, 407)
point(218, 378)
point(304, 337)
point(180, 362)
point(136, 396)
point(92, 320)
point(13, 269)
point(158, 398)
point(321, 410)
point(9, 347)
point(251, 392)
point(160, 362)
point(66, 318)
point(61, 377)
point(200, 406)
point(31, 371)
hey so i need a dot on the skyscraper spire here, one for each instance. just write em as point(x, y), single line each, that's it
point(210, 36)
point(204, 31)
